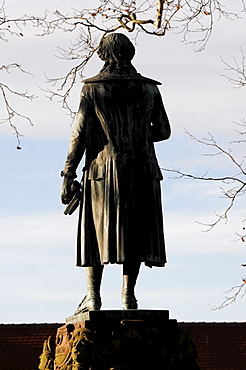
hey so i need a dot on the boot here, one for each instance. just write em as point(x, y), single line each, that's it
point(92, 301)
point(130, 275)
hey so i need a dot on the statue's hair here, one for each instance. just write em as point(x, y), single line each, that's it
point(117, 51)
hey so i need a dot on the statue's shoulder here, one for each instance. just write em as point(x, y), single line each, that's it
point(110, 77)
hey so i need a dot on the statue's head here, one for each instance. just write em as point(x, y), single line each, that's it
point(117, 51)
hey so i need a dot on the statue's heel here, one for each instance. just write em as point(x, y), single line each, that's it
point(129, 302)
point(89, 304)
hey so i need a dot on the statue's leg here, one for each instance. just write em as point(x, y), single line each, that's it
point(92, 300)
point(130, 275)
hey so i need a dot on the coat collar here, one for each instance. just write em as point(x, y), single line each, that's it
point(105, 77)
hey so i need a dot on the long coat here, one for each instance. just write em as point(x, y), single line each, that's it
point(120, 217)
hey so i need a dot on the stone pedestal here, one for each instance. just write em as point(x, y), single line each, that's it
point(123, 340)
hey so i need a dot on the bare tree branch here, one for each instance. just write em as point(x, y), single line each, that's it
point(13, 27)
point(242, 123)
point(233, 192)
point(236, 290)
point(239, 70)
point(5, 90)
point(194, 19)
point(235, 184)
point(242, 235)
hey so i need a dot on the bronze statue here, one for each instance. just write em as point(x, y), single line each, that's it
point(120, 116)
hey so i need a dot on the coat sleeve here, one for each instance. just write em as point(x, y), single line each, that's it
point(160, 129)
point(80, 133)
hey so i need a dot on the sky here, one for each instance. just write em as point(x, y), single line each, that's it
point(39, 280)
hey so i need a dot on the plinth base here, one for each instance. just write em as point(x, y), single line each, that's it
point(118, 315)
point(121, 340)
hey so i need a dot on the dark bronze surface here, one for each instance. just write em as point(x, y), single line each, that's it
point(119, 315)
point(120, 116)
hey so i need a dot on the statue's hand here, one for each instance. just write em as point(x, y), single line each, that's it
point(67, 190)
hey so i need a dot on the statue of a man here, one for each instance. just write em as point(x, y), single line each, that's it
point(120, 116)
